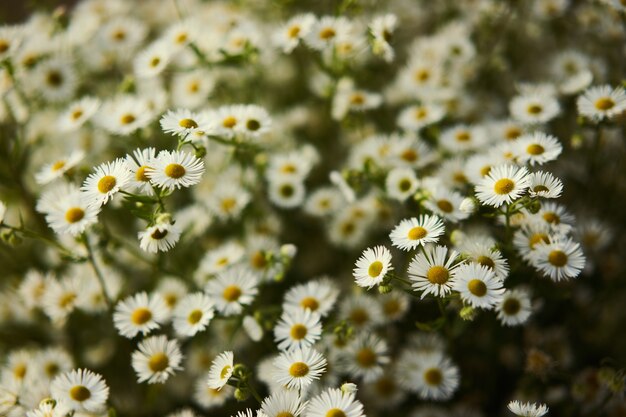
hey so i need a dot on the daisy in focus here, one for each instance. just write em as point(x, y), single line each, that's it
point(432, 271)
point(221, 370)
point(299, 368)
point(527, 409)
point(108, 179)
point(175, 170)
point(503, 184)
point(410, 233)
point(156, 359)
point(372, 267)
point(81, 390)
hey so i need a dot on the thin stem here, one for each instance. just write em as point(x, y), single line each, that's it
point(254, 393)
point(35, 235)
point(94, 265)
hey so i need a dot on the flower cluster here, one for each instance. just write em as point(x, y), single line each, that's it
point(312, 209)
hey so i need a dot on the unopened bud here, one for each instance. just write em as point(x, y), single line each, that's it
point(468, 205)
point(288, 250)
point(200, 152)
point(385, 289)
point(468, 313)
point(348, 388)
point(242, 394)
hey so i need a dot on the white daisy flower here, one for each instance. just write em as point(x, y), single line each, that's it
point(462, 138)
point(432, 272)
point(159, 237)
point(228, 199)
point(193, 314)
point(139, 314)
point(382, 29)
point(58, 168)
point(138, 164)
point(485, 254)
point(401, 183)
point(602, 102)
point(317, 295)
point(323, 202)
point(81, 390)
point(183, 122)
point(156, 359)
point(192, 88)
point(545, 185)
point(221, 370)
point(362, 311)
point(228, 120)
point(106, 181)
point(445, 203)
point(537, 148)
point(298, 368)
point(72, 213)
point(410, 233)
point(527, 409)
point(289, 35)
point(221, 258)
point(534, 107)
point(283, 404)
point(49, 409)
point(416, 117)
point(503, 184)
point(436, 377)
point(478, 285)
point(153, 59)
point(78, 113)
point(334, 403)
point(176, 169)
point(365, 357)
point(297, 328)
point(61, 298)
point(125, 114)
point(253, 328)
point(372, 266)
point(255, 121)
point(207, 397)
point(560, 259)
point(286, 192)
point(55, 79)
point(232, 289)
point(529, 236)
point(514, 308)
point(326, 31)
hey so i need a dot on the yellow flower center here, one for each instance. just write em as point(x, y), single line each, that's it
point(155, 61)
point(503, 186)
point(298, 369)
point(79, 393)
point(551, 217)
point(253, 125)
point(293, 31)
point(188, 124)
point(537, 238)
point(437, 275)
point(512, 133)
point(158, 362)
point(51, 369)
point(335, 412)
point(433, 376)
point(604, 103)
point(231, 293)
point(445, 206)
point(535, 109)
point(258, 260)
point(298, 332)
point(54, 78)
point(511, 306)
point(175, 171)
point(417, 233)
point(310, 303)
point(535, 149)
point(141, 316)
point(359, 316)
point(228, 204)
point(229, 122)
point(366, 357)
point(404, 185)
point(327, 33)
point(58, 165)
point(19, 371)
point(375, 269)
point(194, 317)
point(477, 287)
point(67, 300)
point(182, 37)
point(225, 371)
point(4, 46)
point(76, 114)
point(106, 184)
point(540, 189)
point(463, 136)
point(74, 214)
point(486, 261)
point(127, 119)
point(557, 258)
point(409, 155)
point(422, 75)
point(357, 99)
point(421, 113)
point(391, 307)
point(140, 175)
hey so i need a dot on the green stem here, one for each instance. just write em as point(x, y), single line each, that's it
point(34, 235)
point(94, 265)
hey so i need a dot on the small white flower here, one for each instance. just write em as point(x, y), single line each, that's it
point(176, 169)
point(478, 285)
point(139, 314)
point(106, 181)
point(527, 409)
point(410, 233)
point(81, 390)
point(159, 237)
point(221, 370)
point(297, 328)
point(298, 368)
point(193, 314)
point(503, 184)
point(372, 266)
point(156, 359)
point(602, 102)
